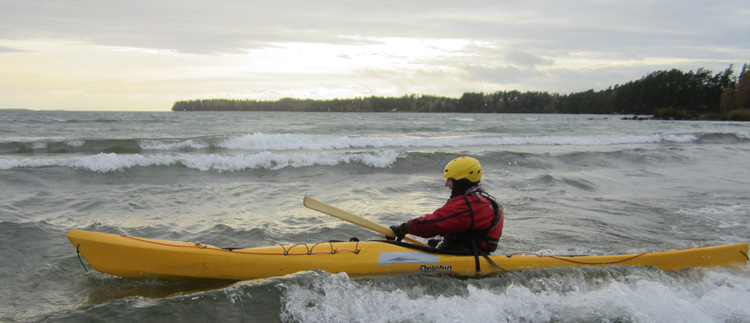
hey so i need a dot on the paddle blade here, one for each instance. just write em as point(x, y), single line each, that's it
point(319, 206)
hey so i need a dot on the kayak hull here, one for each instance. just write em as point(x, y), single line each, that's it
point(126, 256)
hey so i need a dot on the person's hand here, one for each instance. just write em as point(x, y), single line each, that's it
point(399, 231)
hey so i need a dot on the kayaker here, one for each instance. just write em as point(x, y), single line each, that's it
point(470, 220)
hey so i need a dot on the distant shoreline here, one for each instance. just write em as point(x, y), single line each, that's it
point(664, 95)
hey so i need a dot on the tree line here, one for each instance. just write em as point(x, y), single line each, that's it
point(671, 94)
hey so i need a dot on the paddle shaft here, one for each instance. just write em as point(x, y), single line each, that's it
point(349, 217)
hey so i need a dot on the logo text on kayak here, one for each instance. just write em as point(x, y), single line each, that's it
point(435, 267)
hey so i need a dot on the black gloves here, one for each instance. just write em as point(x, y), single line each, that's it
point(400, 230)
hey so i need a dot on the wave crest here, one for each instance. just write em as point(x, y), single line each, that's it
point(110, 162)
point(309, 142)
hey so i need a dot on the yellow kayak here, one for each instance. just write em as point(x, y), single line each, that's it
point(126, 256)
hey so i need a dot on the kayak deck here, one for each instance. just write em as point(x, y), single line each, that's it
point(126, 256)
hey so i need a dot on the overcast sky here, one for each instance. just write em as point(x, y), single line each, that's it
point(147, 54)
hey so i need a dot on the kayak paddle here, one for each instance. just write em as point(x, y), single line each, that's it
point(349, 217)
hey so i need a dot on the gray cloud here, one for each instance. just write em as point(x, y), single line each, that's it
point(227, 26)
point(495, 75)
point(526, 60)
point(9, 50)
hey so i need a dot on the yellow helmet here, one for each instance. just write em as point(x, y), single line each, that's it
point(464, 167)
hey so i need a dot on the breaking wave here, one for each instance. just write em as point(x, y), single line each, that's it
point(283, 142)
point(109, 162)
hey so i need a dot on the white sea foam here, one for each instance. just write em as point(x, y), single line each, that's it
point(713, 297)
point(39, 145)
point(718, 210)
point(75, 143)
point(281, 142)
point(681, 137)
point(276, 142)
point(261, 141)
point(264, 160)
point(277, 151)
point(171, 145)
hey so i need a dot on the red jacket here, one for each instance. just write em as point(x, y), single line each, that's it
point(469, 214)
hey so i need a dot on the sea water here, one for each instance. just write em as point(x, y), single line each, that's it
point(570, 184)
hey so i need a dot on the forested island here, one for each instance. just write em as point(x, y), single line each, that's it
point(672, 94)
